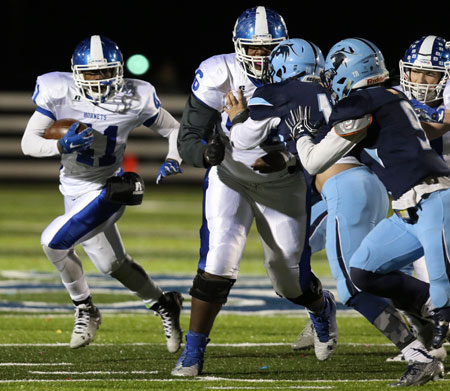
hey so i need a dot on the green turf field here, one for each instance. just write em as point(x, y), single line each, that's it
point(246, 352)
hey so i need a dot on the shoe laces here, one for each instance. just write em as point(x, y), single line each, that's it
point(82, 318)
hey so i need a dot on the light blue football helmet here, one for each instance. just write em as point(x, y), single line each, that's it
point(100, 55)
point(354, 63)
point(257, 26)
point(427, 54)
point(295, 58)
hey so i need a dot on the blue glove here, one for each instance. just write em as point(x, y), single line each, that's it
point(76, 142)
point(169, 167)
point(298, 123)
point(427, 113)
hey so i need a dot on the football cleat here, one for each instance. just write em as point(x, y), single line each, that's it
point(440, 330)
point(419, 373)
point(325, 328)
point(169, 308)
point(305, 339)
point(190, 362)
point(87, 321)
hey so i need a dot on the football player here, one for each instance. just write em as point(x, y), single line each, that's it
point(354, 197)
point(239, 189)
point(92, 180)
point(381, 126)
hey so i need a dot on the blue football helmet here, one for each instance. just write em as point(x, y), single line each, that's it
point(100, 56)
point(354, 63)
point(426, 54)
point(258, 26)
point(295, 58)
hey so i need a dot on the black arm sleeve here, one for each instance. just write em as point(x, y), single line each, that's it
point(197, 126)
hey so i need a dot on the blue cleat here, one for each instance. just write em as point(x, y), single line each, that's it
point(190, 362)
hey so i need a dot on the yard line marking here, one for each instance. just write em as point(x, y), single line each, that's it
point(272, 388)
point(31, 364)
point(94, 372)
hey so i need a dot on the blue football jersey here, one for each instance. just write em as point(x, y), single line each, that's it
point(278, 99)
point(396, 147)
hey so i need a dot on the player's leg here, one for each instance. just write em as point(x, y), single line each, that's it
point(83, 218)
point(281, 215)
point(317, 235)
point(374, 270)
point(433, 231)
point(227, 218)
point(108, 254)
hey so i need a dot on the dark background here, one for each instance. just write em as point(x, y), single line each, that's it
point(39, 37)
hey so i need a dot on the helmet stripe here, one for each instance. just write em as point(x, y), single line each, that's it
point(426, 49)
point(261, 25)
point(369, 44)
point(316, 56)
point(96, 53)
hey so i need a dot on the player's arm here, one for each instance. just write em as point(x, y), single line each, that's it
point(246, 133)
point(33, 142)
point(168, 127)
point(197, 126)
point(435, 120)
point(340, 140)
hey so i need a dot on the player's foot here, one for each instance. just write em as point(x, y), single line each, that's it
point(419, 373)
point(190, 362)
point(440, 354)
point(440, 331)
point(305, 339)
point(168, 308)
point(87, 321)
point(325, 328)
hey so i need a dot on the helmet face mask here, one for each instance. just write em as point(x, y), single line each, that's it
point(354, 63)
point(97, 67)
point(257, 27)
point(426, 56)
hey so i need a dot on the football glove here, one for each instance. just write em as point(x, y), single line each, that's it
point(427, 113)
point(169, 167)
point(73, 141)
point(215, 152)
point(298, 123)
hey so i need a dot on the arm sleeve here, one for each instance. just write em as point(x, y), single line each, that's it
point(251, 133)
point(316, 158)
point(33, 142)
point(167, 126)
point(197, 125)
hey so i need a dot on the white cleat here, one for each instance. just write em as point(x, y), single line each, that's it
point(305, 339)
point(87, 321)
point(440, 354)
point(168, 308)
point(325, 328)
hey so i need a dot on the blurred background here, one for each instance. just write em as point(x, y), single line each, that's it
point(39, 37)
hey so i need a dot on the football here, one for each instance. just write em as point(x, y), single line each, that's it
point(59, 128)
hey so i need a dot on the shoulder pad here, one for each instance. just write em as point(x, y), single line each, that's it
point(353, 126)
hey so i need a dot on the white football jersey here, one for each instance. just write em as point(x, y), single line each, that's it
point(57, 97)
point(214, 78)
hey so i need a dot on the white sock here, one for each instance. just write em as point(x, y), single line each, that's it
point(415, 351)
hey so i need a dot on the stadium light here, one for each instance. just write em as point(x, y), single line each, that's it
point(138, 64)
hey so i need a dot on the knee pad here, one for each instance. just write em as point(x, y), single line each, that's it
point(311, 294)
point(210, 289)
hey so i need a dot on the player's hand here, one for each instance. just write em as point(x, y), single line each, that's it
point(215, 152)
point(169, 167)
point(236, 108)
point(298, 123)
point(427, 113)
point(73, 141)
